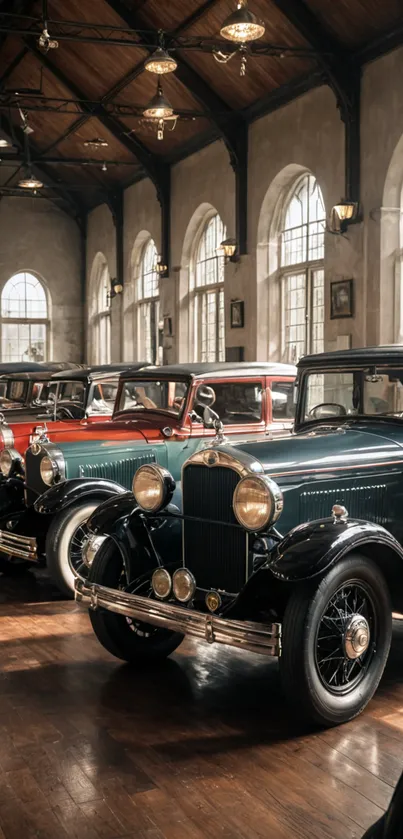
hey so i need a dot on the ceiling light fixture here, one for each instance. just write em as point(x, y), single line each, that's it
point(160, 110)
point(30, 182)
point(104, 167)
point(160, 62)
point(45, 42)
point(242, 25)
point(96, 143)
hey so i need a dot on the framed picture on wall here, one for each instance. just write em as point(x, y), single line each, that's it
point(237, 314)
point(342, 299)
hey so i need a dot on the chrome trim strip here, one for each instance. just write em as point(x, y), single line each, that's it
point(24, 547)
point(246, 635)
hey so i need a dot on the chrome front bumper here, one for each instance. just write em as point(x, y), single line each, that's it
point(246, 635)
point(23, 547)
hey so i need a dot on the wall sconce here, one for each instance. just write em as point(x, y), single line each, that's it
point(116, 288)
point(161, 268)
point(228, 249)
point(344, 214)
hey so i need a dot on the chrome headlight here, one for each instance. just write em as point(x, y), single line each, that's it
point(49, 470)
point(153, 487)
point(91, 546)
point(257, 502)
point(6, 436)
point(9, 460)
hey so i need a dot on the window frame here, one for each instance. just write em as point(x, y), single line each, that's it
point(151, 302)
point(16, 321)
point(198, 294)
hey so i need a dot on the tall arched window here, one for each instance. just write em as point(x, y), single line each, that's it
point(302, 246)
point(100, 351)
point(208, 294)
point(24, 319)
point(148, 332)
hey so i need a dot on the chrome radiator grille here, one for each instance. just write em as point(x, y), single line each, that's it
point(121, 471)
point(214, 552)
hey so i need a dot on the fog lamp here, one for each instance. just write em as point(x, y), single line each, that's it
point(184, 585)
point(161, 583)
point(213, 601)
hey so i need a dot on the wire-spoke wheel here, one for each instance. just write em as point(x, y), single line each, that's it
point(64, 543)
point(336, 640)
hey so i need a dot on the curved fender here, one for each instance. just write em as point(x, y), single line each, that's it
point(106, 517)
point(11, 496)
point(311, 549)
point(62, 495)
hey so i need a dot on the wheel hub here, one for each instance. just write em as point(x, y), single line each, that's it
point(356, 637)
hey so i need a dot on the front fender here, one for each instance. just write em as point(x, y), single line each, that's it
point(106, 517)
point(62, 495)
point(11, 496)
point(309, 550)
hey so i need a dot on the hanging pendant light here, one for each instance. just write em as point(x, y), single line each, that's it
point(30, 182)
point(160, 62)
point(242, 25)
point(159, 107)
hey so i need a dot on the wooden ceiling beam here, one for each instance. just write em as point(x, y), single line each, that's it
point(381, 45)
point(13, 66)
point(343, 76)
point(112, 123)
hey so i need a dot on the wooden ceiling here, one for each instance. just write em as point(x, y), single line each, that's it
point(90, 87)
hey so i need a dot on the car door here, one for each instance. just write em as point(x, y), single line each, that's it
point(280, 405)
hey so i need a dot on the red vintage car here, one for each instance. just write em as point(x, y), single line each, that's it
point(68, 403)
point(158, 418)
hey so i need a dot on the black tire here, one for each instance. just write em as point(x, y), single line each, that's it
point(130, 641)
point(305, 665)
point(62, 530)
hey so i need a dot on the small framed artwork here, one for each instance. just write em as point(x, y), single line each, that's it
point(168, 327)
point(237, 314)
point(342, 299)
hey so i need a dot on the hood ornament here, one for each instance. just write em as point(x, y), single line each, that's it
point(38, 437)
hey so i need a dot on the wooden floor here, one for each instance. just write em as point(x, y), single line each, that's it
point(200, 746)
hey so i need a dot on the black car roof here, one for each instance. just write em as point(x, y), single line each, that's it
point(31, 376)
point(97, 369)
point(206, 369)
point(387, 354)
point(20, 366)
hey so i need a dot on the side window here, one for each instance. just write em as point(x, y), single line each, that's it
point(237, 403)
point(283, 407)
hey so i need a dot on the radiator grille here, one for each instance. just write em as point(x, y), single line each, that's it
point(215, 553)
point(362, 502)
point(121, 471)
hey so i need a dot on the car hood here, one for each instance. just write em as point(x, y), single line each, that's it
point(325, 452)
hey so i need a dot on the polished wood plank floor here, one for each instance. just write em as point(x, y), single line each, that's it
point(200, 746)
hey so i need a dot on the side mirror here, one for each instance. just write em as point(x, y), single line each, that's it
point(205, 396)
point(210, 418)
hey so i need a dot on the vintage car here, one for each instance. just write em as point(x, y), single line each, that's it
point(74, 399)
point(24, 393)
point(291, 548)
point(157, 419)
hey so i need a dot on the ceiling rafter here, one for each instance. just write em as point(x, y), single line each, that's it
point(72, 205)
point(13, 66)
point(342, 74)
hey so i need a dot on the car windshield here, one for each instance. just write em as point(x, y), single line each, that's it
point(155, 395)
point(354, 392)
point(102, 398)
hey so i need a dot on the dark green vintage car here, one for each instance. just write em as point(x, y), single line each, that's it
point(291, 548)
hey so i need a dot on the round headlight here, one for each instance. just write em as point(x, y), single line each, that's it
point(257, 502)
point(49, 470)
point(153, 487)
point(161, 583)
point(90, 548)
point(6, 463)
point(184, 585)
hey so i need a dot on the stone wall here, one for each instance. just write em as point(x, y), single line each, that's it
point(37, 237)
point(306, 135)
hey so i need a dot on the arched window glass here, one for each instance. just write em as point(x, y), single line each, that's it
point(101, 320)
point(208, 294)
point(302, 246)
point(149, 335)
point(24, 319)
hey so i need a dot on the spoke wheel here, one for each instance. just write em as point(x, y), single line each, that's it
point(335, 643)
point(75, 549)
point(345, 639)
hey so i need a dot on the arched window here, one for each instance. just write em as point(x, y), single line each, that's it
point(149, 338)
point(24, 319)
point(208, 294)
point(100, 351)
point(302, 246)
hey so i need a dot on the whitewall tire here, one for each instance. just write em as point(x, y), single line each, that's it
point(65, 536)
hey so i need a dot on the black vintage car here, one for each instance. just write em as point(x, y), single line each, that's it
point(25, 393)
point(291, 548)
